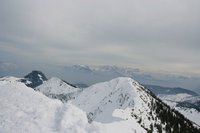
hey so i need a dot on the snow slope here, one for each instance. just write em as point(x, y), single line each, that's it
point(100, 100)
point(125, 100)
point(23, 110)
point(57, 88)
point(176, 101)
point(119, 105)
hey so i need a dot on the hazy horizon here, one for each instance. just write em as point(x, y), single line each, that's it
point(160, 38)
point(75, 74)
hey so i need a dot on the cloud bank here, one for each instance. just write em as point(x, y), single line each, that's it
point(156, 35)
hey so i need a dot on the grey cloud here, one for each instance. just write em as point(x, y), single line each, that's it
point(140, 33)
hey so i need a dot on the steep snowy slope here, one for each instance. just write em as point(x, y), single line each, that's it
point(185, 101)
point(59, 89)
point(123, 99)
point(186, 104)
point(23, 110)
point(120, 105)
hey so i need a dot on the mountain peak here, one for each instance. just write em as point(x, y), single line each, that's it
point(125, 99)
point(36, 74)
point(121, 104)
point(58, 89)
point(34, 79)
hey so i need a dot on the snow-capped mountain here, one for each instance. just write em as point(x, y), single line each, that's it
point(34, 79)
point(119, 105)
point(58, 89)
point(19, 114)
point(123, 99)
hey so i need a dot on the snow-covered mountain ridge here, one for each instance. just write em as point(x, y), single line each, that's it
point(119, 105)
point(58, 89)
point(135, 102)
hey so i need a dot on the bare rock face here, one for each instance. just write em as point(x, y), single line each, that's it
point(34, 79)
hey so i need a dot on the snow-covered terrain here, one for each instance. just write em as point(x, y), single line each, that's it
point(56, 86)
point(185, 101)
point(101, 100)
point(23, 110)
point(119, 105)
point(59, 89)
point(123, 99)
point(177, 101)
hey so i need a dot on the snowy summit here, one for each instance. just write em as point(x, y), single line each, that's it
point(119, 105)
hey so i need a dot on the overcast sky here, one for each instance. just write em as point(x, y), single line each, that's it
point(155, 35)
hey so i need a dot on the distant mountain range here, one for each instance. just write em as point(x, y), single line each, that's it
point(87, 75)
point(84, 75)
point(158, 90)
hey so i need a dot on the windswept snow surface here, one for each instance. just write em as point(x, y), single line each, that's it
point(23, 110)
